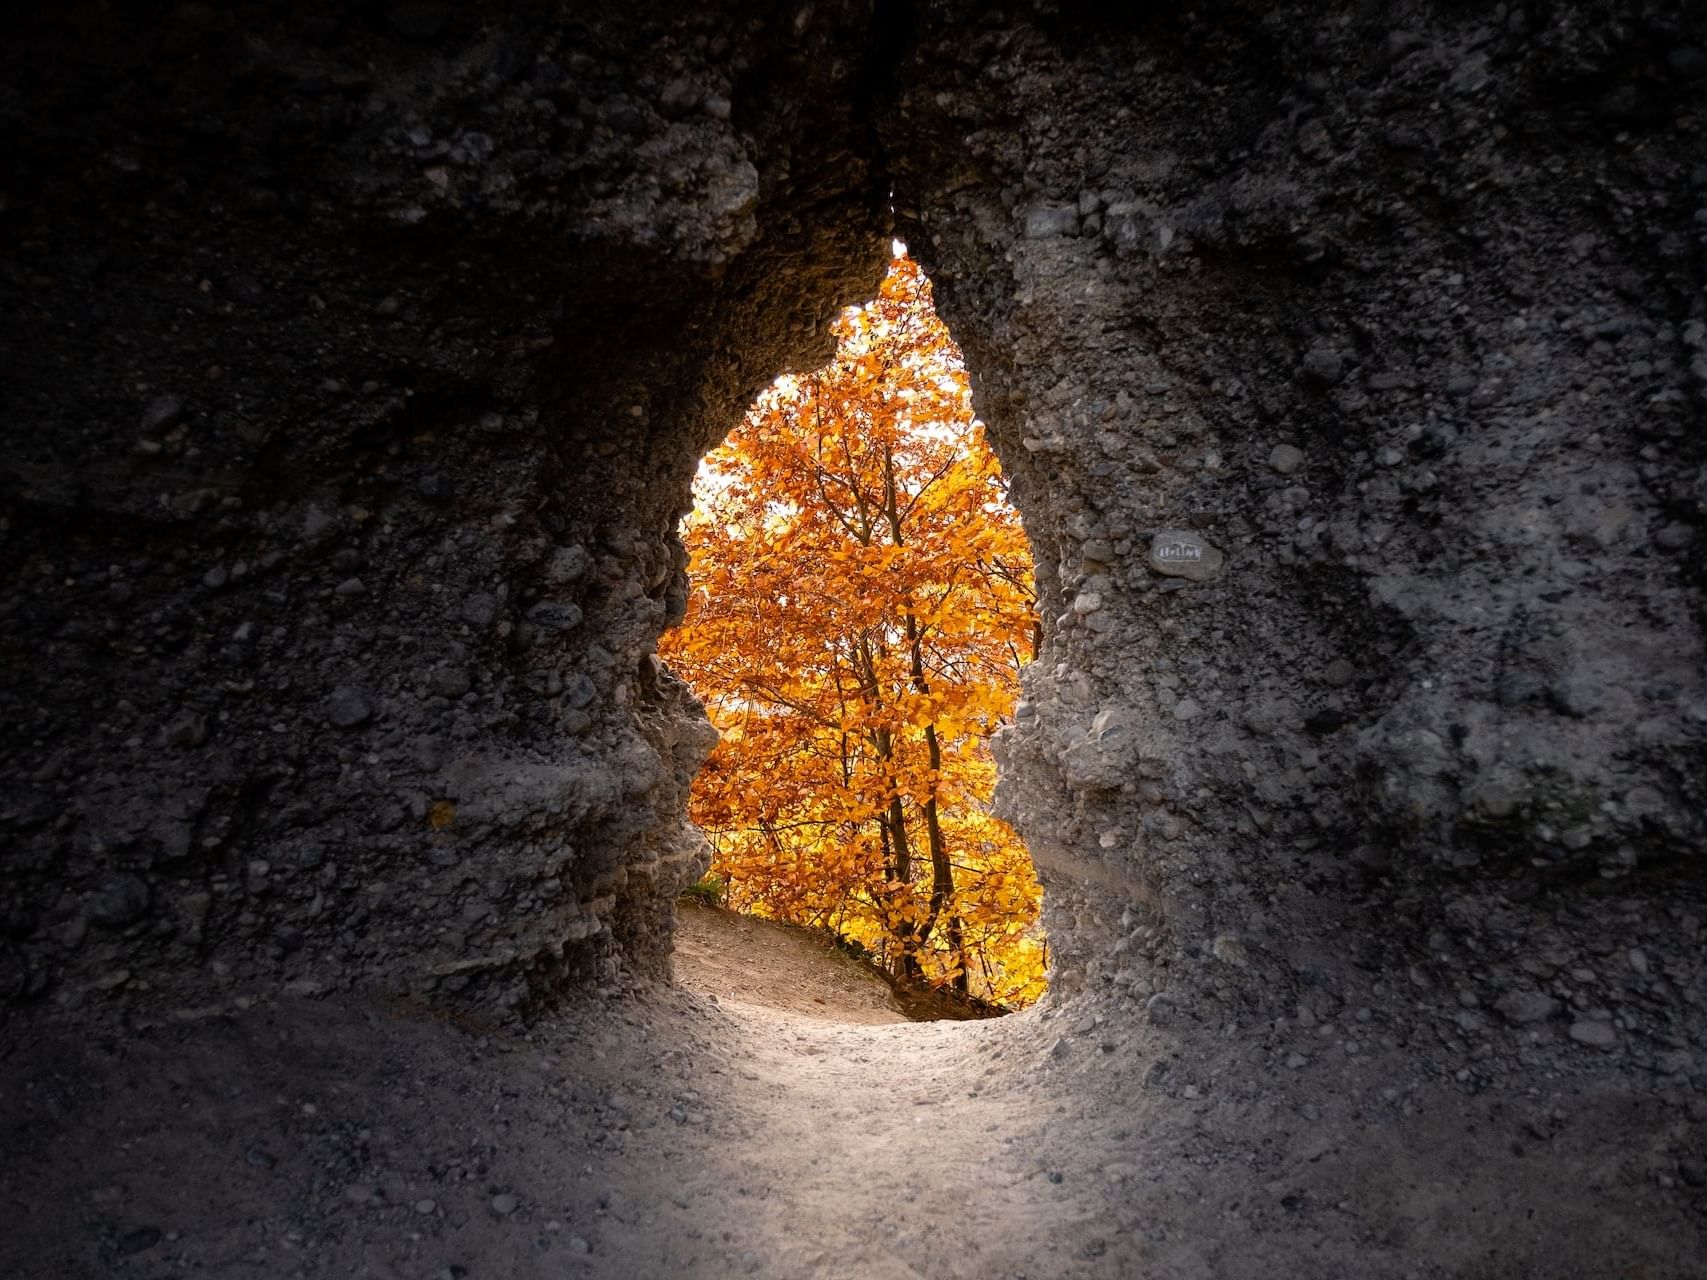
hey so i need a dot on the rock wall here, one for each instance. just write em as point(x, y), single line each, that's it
point(1350, 371)
point(357, 363)
point(1348, 363)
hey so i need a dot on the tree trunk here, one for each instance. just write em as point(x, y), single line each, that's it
point(942, 870)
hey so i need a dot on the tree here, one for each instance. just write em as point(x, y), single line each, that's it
point(861, 606)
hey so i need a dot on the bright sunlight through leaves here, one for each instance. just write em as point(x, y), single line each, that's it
point(862, 602)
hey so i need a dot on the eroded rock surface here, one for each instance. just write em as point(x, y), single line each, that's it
point(1349, 370)
point(1348, 364)
point(356, 367)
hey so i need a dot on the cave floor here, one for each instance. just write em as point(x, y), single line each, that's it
point(668, 1134)
point(664, 1136)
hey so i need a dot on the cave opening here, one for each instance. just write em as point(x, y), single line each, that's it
point(860, 606)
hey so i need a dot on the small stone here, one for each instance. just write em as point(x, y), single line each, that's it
point(216, 577)
point(1495, 799)
point(347, 707)
point(1518, 687)
point(580, 691)
point(192, 910)
point(1296, 1061)
point(1324, 365)
point(1600, 1035)
point(1400, 43)
point(1230, 949)
point(552, 615)
point(1674, 537)
point(1045, 221)
point(473, 148)
point(121, 899)
point(138, 1240)
point(568, 564)
point(577, 1246)
point(260, 1158)
point(351, 587)
point(186, 731)
point(504, 1205)
point(1161, 1010)
point(448, 682)
point(1180, 553)
point(161, 413)
point(1284, 459)
point(479, 608)
point(1187, 709)
point(1576, 695)
point(680, 96)
point(1522, 1008)
point(1339, 673)
point(424, 1207)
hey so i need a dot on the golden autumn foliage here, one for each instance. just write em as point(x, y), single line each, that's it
point(861, 606)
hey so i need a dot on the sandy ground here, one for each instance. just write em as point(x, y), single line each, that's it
point(741, 959)
point(668, 1134)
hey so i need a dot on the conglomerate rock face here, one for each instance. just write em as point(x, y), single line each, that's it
point(1348, 365)
point(1349, 368)
point(357, 365)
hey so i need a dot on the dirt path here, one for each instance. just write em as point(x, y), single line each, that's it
point(790, 1122)
point(665, 1134)
point(739, 958)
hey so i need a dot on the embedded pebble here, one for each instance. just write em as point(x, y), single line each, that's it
point(1181, 553)
point(1522, 1008)
point(1600, 1035)
point(552, 615)
point(1046, 221)
point(479, 608)
point(347, 707)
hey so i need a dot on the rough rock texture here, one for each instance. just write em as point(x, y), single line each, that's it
point(1349, 362)
point(1350, 370)
point(357, 366)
